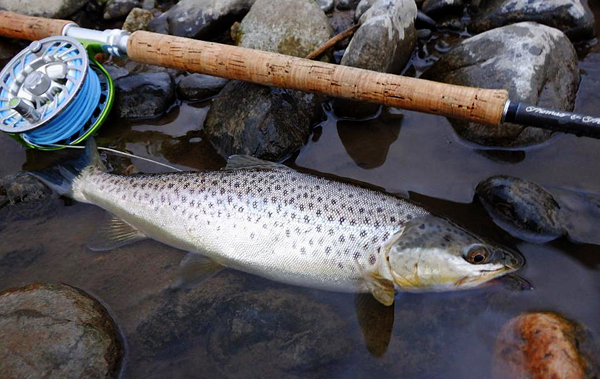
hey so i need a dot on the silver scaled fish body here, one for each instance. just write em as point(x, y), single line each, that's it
point(267, 219)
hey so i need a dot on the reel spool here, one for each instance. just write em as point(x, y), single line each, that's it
point(52, 94)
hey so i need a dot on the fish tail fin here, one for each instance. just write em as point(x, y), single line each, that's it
point(63, 178)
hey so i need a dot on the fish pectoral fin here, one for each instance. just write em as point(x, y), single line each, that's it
point(114, 233)
point(238, 162)
point(195, 268)
point(381, 289)
point(376, 322)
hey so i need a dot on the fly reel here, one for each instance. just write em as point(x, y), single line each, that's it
point(53, 94)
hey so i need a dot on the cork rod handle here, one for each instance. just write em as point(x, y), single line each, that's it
point(480, 105)
point(16, 25)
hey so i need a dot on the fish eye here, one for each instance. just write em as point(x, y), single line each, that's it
point(477, 255)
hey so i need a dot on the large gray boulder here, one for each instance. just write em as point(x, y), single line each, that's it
point(266, 122)
point(573, 17)
point(56, 331)
point(42, 8)
point(535, 63)
point(384, 43)
point(291, 27)
point(199, 18)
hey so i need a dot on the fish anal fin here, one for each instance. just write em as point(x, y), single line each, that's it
point(195, 268)
point(238, 162)
point(114, 233)
point(376, 322)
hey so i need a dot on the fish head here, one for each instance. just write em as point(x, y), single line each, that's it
point(434, 254)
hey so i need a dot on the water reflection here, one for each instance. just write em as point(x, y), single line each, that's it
point(367, 142)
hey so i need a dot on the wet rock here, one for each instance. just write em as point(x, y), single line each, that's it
point(199, 87)
point(442, 7)
point(384, 43)
point(242, 321)
point(346, 4)
point(265, 122)
point(300, 332)
point(22, 197)
point(522, 208)
point(533, 213)
point(137, 19)
point(326, 5)
point(144, 95)
point(535, 63)
point(368, 142)
point(49, 9)
point(118, 9)
point(362, 7)
point(291, 27)
point(199, 18)
point(543, 345)
point(573, 17)
point(424, 21)
point(424, 34)
point(56, 331)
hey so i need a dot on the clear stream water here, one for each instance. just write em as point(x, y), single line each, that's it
point(451, 335)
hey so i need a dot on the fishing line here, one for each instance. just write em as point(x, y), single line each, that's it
point(118, 152)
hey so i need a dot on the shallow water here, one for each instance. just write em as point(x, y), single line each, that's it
point(237, 325)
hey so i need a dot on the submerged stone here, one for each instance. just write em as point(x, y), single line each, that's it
point(522, 208)
point(573, 17)
point(56, 331)
point(544, 345)
point(535, 63)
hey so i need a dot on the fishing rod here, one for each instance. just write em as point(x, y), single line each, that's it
point(43, 86)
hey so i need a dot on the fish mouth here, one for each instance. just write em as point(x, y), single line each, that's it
point(483, 276)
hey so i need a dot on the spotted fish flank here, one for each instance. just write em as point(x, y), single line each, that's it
point(269, 220)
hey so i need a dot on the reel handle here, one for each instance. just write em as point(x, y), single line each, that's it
point(474, 104)
point(15, 25)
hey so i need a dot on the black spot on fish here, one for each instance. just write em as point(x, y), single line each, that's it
point(342, 219)
point(422, 226)
point(372, 259)
point(342, 239)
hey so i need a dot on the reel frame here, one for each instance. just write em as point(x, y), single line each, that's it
point(99, 114)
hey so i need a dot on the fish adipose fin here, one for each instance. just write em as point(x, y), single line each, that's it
point(239, 162)
point(114, 233)
point(60, 178)
point(195, 268)
point(376, 322)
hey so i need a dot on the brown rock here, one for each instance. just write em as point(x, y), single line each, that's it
point(542, 345)
point(56, 331)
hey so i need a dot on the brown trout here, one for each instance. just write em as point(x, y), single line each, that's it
point(267, 219)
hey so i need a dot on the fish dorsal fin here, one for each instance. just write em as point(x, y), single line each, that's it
point(376, 322)
point(195, 268)
point(238, 162)
point(114, 233)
